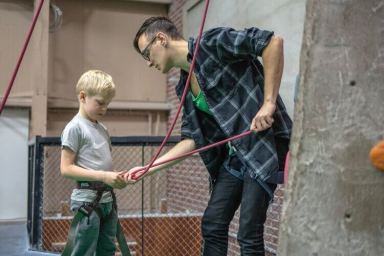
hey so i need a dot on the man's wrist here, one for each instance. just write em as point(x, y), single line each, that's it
point(269, 101)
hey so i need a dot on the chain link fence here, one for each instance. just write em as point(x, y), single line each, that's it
point(160, 214)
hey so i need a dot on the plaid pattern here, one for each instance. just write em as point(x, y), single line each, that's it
point(231, 78)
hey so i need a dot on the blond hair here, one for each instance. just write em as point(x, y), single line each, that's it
point(96, 82)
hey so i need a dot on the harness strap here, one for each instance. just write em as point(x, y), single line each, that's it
point(121, 240)
point(72, 234)
point(86, 210)
point(124, 249)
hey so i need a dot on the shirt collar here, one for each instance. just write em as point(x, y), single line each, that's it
point(191, 44)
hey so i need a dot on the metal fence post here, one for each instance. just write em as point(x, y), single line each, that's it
point(31, 158)
point(36, 196)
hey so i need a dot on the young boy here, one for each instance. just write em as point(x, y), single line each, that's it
point(86, 158)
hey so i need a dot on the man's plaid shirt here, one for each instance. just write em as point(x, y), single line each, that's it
point(231, 78)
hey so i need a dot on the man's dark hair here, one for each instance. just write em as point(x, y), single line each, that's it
point(156, 24)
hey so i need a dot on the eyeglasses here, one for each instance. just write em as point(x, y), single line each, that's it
point(145, 52)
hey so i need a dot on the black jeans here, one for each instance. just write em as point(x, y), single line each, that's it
point(228, 193)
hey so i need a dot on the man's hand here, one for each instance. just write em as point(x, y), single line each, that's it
point(114, 179)
point(264, 118)
point(129, 177)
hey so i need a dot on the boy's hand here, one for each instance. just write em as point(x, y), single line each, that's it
point(114, 179)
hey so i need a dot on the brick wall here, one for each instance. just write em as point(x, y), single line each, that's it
point(271, 229)
point(195, 196)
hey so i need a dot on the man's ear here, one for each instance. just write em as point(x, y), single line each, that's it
point(163, 39)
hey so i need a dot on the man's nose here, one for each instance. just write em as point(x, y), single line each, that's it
point(149, 63)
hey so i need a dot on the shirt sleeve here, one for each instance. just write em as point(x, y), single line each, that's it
point(70, 138)
point(231, 45)
point(186, 132)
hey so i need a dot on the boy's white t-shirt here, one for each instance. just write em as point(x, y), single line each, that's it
point(92, 145)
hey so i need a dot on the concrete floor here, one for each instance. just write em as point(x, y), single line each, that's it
point(14, 240)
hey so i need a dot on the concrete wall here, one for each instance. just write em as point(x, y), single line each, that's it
point(334, 199)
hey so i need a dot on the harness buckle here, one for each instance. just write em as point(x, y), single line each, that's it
point(87, 209)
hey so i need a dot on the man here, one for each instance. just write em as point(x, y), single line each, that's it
point(230, 93)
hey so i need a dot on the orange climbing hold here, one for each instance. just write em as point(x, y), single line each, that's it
point(376, 155)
